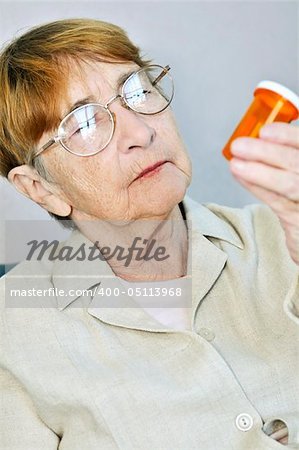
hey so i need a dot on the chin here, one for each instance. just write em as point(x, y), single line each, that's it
point(160, 201)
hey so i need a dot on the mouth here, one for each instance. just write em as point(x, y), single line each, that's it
point(151, 170)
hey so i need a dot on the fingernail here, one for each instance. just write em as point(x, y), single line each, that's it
point(238, 146)
point(267, 131)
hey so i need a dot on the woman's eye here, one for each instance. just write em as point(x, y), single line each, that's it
point(79, 130)
point(138, 94)
point(84, 126)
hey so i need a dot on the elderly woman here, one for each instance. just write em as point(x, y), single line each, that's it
point(189, 339)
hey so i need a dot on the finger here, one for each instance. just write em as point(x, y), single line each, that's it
point(283, 440)
point(276, 155)
point(273, 179)
point(280, 434)
point(283, 133)
point(280, 205)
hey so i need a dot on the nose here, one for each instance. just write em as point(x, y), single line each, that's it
point(131, 128)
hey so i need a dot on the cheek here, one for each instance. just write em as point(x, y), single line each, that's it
point(88, 180)
point(171, 137)
point(167, 130)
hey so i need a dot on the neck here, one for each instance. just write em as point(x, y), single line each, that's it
point(143, 250)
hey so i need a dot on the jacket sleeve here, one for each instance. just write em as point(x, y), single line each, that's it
point(272, 243)
point(291, 303)
point(20, 426)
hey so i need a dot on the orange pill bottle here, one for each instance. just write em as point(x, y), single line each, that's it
point(272, 102)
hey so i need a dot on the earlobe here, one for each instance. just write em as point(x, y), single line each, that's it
point(28, 182)
point(56, 205)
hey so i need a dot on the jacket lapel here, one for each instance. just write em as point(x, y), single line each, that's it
point(205, 263)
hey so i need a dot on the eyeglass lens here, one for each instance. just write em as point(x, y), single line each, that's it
point(89, 128)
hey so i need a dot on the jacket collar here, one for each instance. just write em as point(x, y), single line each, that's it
point(204, 220)
point(205, 263)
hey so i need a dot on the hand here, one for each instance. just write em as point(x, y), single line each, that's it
point(281, 435)
point(269, 168)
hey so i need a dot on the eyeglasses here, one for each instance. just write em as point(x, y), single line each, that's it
point(88, 129)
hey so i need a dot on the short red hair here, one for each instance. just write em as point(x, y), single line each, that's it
point(34, 75)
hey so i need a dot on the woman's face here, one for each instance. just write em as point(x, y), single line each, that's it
point(105, 185)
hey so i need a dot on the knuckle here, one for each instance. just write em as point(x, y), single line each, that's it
point(292, 188)
point(285, 132)
point(294, 133)
point(292, 160)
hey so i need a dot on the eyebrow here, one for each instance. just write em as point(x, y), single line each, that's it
point(91, 99)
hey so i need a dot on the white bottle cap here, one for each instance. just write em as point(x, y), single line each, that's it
point(281, 90)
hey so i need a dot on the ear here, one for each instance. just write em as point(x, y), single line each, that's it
point(28, 182)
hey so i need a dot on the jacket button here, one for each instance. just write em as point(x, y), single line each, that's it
point(207, 334)
point(244, 422)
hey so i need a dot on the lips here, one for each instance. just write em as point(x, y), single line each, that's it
point(151, 168)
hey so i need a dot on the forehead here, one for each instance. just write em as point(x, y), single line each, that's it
point(95, 80)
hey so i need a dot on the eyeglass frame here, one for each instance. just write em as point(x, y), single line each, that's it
point(58, 138)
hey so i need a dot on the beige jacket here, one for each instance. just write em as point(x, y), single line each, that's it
point(101, 373)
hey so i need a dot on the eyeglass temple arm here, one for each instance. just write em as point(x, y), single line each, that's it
point(45, 147)
point(162, 74)
point(54, 140)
